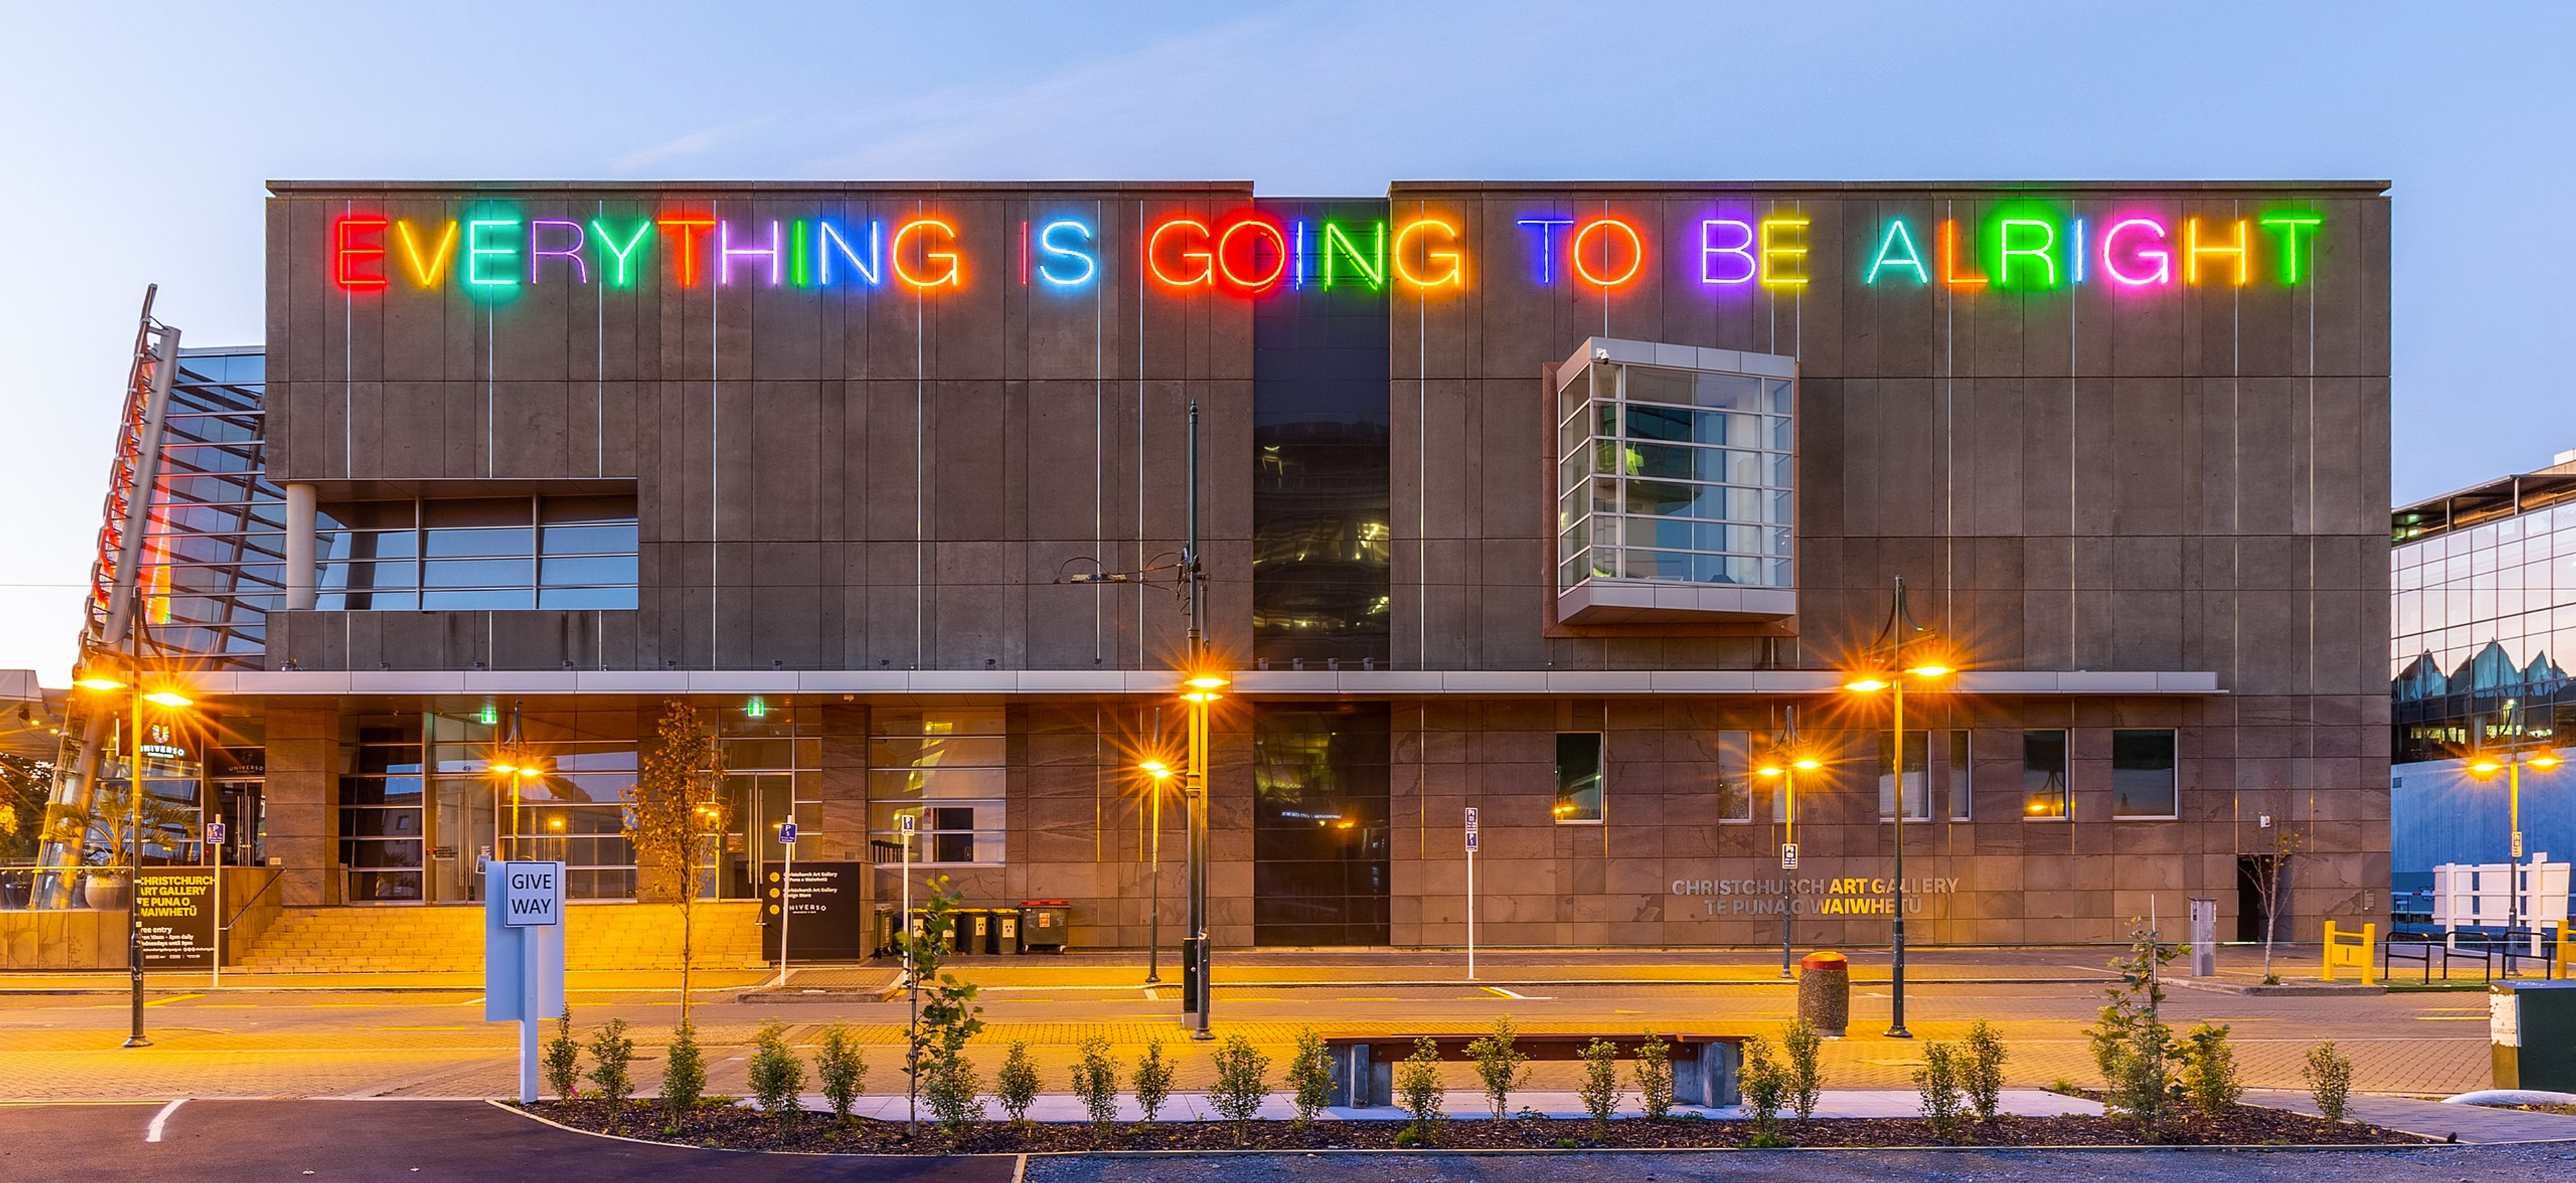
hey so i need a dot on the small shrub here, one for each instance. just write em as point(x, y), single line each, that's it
point(2329, 1076)
point(1499, 1065)
point(2064, 1087)
point(1242, 1084)
point(1805, 1049)
point(841, 1069)
point(1981, 1071)
point(1936, 1086)
point(1766, 1086)
point(1310, 1076)
point(1017, 1083)
point(563, 1059)
point(1417, 1087)
point(955, 1092)
point(612, 1064)
point(1153, 1080)
point(2131, 1043)
point(1095, 1080)
point(684, 1072)
point(776, 1074)
point(2209, 1071)
point(1654, 1073)
point(1600, 1083)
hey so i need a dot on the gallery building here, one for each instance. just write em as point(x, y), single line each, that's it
point(1576, 504)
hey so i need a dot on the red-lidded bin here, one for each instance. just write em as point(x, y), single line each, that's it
point(1824, 993)
point(1044, 924)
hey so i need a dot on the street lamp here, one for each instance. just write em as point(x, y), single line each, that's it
point(169, 698)
point(1890, 669)
point(2484, 767)
point(1159, 773)
point(1203, 688)
point(1786, 762)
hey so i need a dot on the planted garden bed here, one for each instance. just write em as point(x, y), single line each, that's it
point(735, 1127)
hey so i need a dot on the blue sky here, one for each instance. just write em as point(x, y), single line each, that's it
point(138, 136)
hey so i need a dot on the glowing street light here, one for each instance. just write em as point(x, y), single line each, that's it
point(1787, 760)
point(1890, 673)
point(2484, 767)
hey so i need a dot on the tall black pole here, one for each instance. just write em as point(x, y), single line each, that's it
point(1896, 1028)
point(1154, 865)
point(1199, 958)
point(134, 826)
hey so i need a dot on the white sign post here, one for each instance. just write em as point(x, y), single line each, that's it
point(523, 953)
point(786, 892)
point(215, 847)
point(1471, 893)
point(903, 923)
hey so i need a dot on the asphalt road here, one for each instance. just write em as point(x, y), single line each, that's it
point(407, 1140)
point(2517, 1164)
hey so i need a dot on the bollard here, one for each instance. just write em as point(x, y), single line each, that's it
point(1824, 993)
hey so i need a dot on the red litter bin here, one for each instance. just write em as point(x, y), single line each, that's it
point(1824, 993)
point(1044, 923)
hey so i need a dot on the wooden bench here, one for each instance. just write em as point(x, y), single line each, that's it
point(1705, 1067)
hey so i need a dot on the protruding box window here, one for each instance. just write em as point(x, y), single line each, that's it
point(1676, 489)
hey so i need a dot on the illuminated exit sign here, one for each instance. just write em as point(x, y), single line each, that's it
point(492, 250)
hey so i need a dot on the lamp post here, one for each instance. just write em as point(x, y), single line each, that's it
point(168, 697)
point(2484, 768)
point(1158, 772)
point(1786, 762)
point(1890, 670)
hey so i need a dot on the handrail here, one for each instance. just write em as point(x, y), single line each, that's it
point(275, 875)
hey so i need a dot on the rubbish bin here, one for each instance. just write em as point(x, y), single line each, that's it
point(2533, 1028)
point(1824, 993)
point(1006, 931)
point(1043, 924)
point(968, 926)
point(881, 933)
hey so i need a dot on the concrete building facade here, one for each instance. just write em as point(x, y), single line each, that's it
point(1574, 504)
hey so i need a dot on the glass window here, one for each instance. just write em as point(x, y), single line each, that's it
point(2142, 774)
point(2043, 775)
point(947, 770)
point(1682, 446)
point(1918, 780)
point(479, 553)
point(1735, 776)
point(1962, 786)
point(1578, 776)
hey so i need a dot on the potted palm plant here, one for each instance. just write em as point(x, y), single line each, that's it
point(109, 884)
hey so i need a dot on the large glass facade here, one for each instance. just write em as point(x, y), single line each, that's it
point(451, 554)
point(1320, 824)
point(948, 770)
point(1674, 475)
point(215, 549)
point(1321, 499)
point(2483, 618)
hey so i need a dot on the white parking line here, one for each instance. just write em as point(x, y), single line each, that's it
point(152, 1132)
point(1523, 997)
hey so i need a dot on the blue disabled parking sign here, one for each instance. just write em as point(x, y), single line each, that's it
point(787, 833)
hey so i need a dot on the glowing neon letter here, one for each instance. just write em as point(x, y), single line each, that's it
point(537, 254)
point(954, 276)
point(797, 255)
point(1950, 259)
point(425, 272)
point(727, 252)
point(1371, 267)
point(347, 253)
point(621, 275)
point(476, 252)
point(2288, 226)
point(1206, 261)
point(2192, 251)
point(1075, 250)
point(1225, 263)
point(1794, 274)
point(2111, 259)
point(2005, 250)
point(684, 254)
point(1741, 251)
point(827, 238)
point(2075, 254)
point(1455, 276)
point(1546, 245)
point(1896, 238)
point(1636, 252)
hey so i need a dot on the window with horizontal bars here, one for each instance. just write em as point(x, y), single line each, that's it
point(467, 553)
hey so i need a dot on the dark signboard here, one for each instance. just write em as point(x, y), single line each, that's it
point(829, 921)
point(175, 917)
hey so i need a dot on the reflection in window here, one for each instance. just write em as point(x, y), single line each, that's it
point(2142, 774)
point(477, 553)
point(946, 770)
point(1674, 475)
point(1918, 781)
point(1962, 788)
point(2043, 775)
point(1735, 776)
point(1578, 776)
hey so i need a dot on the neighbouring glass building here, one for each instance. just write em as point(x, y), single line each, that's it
point(2484, 582)
point(1570, 503)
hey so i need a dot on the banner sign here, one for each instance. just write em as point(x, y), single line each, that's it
point(175, 917)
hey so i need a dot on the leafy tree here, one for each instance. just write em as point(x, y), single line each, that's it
point(777, 1076)
point(1766, 1087)
point(1095, 1080)
point(1242, 1084)
point(675, 806)
point(1499, 1064)
point(2329, 1076)
point(1017, 1083)
point(1153, 1080)
point(842, 1069)
point(25, 785)
point(2131, 1043)
point(1936, 1085)
point(2281, 843)
point(1417, 1084)
point(2209, 1070)
point(684, 1073)
point(1654, 1072)
point(1981, 1071)
point(945, 1016)
point(612, 1059)
point(1600, 1083)
point(1310, 1076)
point(1804, 1046)
point(563, 1059)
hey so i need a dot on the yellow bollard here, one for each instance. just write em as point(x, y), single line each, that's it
point(2348, 948)
point(2563, 963)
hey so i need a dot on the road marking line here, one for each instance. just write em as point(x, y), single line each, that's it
point(152, 1132)
point(1523, 997)
point(477, 1000)
point(172, 998)
point(1153, 995)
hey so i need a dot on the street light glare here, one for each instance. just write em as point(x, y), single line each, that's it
point(2486, 767)
point(1866, 685)
point(169, 698)
point(1202, 696)
point(2543, 761)
point(1807, 764)
point(99, 682)
point(1931, 670)
point(1156, 769)
point(1770, 770)
point(1206, 682)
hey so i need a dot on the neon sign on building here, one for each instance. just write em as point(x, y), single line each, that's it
point(2017, 246)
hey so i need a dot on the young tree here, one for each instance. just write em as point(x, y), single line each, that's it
point(675, 806)
point(2131, 1043)
point(945, 1016)
point(2279, 843)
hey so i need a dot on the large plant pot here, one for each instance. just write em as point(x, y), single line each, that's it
point(108, 891)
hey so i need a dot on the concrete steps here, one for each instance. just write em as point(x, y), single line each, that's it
point(449, 938)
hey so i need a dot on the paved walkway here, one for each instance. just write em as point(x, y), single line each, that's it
point(1471, 1103)
point(2434, 1119)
